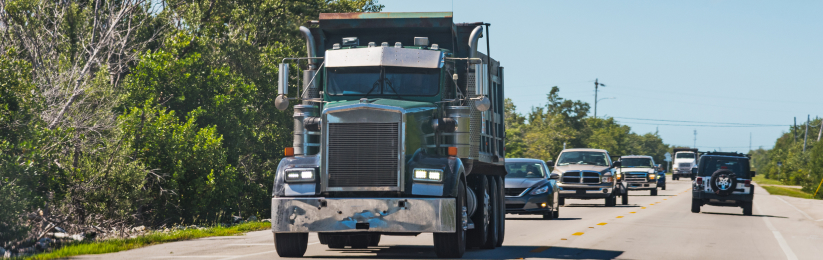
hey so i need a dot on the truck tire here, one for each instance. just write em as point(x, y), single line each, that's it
point(291, 244)
point(453, 245)
point(374, 240)
point(747, 208)
point(337, 241)
point(674, 178)
point(696, 205)
point(494, 213)
point(501, 225)
point(664, 186)
point(556, 213)
point(360, 241)
point(476, 237)
point(625, 199)
point(561, 202)
point(611, 200)
point(654, 192)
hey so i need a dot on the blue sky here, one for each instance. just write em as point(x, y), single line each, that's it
point(751, 62)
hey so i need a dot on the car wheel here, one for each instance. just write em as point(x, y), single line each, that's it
point(654, 192)
point(453, 245)
point(625, 199)
point(664, 187)
point(611, 201)
point(696, 205)
point(747, 208)
point(548, 215)
point(291, 244)
point(556, 213)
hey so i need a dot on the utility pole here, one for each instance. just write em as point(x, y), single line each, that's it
point(695, 139)
point(795, 128)
point(821, 131)
point(596, 84)
point(806, 136)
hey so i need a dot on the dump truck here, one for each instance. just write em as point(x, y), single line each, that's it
point(684, 160)
point(399, 131)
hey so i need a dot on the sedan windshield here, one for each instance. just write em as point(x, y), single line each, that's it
point(383, 81)
point(636, 162)
point(585, 158)
point(525, 170)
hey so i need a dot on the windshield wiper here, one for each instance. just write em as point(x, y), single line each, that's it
point(374, 86)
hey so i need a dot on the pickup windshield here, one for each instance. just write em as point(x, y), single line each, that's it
point(636, 162)
point(685, 155)
point(525, 170)
point(383, 81)
point(585, 158)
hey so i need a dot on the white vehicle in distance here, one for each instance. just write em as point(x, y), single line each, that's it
point(684, 161)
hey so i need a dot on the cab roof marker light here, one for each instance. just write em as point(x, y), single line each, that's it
point(435, 46)
point(398, 45)
point(372, 45)
point(384, 44)
point(336, 46)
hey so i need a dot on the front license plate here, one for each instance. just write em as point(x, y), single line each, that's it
point(581, 191)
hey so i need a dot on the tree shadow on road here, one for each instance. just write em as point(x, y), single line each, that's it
point(598, 205)
point(504, 252)
point(541, 219)
point(741, 215)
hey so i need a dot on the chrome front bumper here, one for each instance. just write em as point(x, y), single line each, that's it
point(291, 215)
point(641, 185)
point(582, 191)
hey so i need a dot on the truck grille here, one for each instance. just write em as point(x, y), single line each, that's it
point(685, 165)
point(515, 192)
point(581, 177)
point(363, 154)
point(634, 177)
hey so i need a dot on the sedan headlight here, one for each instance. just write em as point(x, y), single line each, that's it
point(300, 175)
point(543, 189)
point(428, 175)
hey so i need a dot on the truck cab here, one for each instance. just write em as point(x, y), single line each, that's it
point(399, 132)
point(684, 161)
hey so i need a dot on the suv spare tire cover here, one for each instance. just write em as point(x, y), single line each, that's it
point(723, 182)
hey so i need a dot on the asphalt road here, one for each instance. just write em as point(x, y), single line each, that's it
point(651, 227)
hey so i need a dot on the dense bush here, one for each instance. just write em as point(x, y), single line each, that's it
point(799, 167)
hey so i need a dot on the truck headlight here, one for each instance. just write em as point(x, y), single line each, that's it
point(429, 175)
point(300, 175)
point(607, 179)
point(652, 176)
point(541, 190)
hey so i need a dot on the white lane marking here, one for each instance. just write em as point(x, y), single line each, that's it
point(780, 240)
point(226, 256)
point(190, 256)
point(240, 256)
point(798, 210)
point(819, 219)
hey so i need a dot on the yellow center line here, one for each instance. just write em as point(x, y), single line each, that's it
point(563, 239)
point(619, 216)
point(578, 234)
point(602, 224)
point(642, 207)
point(540, 249)
point(632, 212)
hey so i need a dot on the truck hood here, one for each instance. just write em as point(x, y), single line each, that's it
point(641, 170)
point(579, 167)
point(523, 182)
point(404, 104)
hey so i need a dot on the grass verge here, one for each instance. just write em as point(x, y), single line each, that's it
point(791, 192)
point(763, 181)
point(116, 245)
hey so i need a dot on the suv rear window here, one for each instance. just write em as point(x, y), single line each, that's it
point(710, 164)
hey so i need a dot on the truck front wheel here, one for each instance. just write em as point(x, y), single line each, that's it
point(625, 199)
point(453, 245)
point(654, 192)
point(494, 213)
point(291, 244)
point(482, 214)
point(501, 205)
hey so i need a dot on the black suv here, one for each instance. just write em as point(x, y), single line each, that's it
point(722, 179)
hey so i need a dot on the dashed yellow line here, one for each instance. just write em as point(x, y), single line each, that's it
point(601, 224)
point(578, 234)
point(642, 207)
point(563, 239)
point(632, 212)
point(540, 249)
point(619, 216)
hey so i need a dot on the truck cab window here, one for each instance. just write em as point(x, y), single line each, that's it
point(383, 81)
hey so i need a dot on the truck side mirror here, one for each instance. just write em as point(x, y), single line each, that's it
point(281, 102)
point(554, 176)
point(617, 164)
point(694, 173)
point(550, 163)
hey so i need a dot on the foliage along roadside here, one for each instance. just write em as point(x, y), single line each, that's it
point(117, 245)
point(544, 131)
point(797, 167)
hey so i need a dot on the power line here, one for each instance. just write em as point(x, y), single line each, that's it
point(700, 122)
point(638, 123)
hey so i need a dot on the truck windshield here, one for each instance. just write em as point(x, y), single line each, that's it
point(740, 166)
point(636, 162)
point(383, 81)
point(585, 158)
point(685, 155)
point(525, 170)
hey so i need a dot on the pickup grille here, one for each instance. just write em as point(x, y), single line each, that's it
point(515, 192)
point(636, 177)
point(581, 177)
point(363, 154)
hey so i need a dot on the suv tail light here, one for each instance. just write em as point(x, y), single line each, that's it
point(699, 180)
point(748, 183)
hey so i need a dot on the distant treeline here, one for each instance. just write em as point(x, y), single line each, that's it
point(143, 112)
point(543, 131)
point(797, 167)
